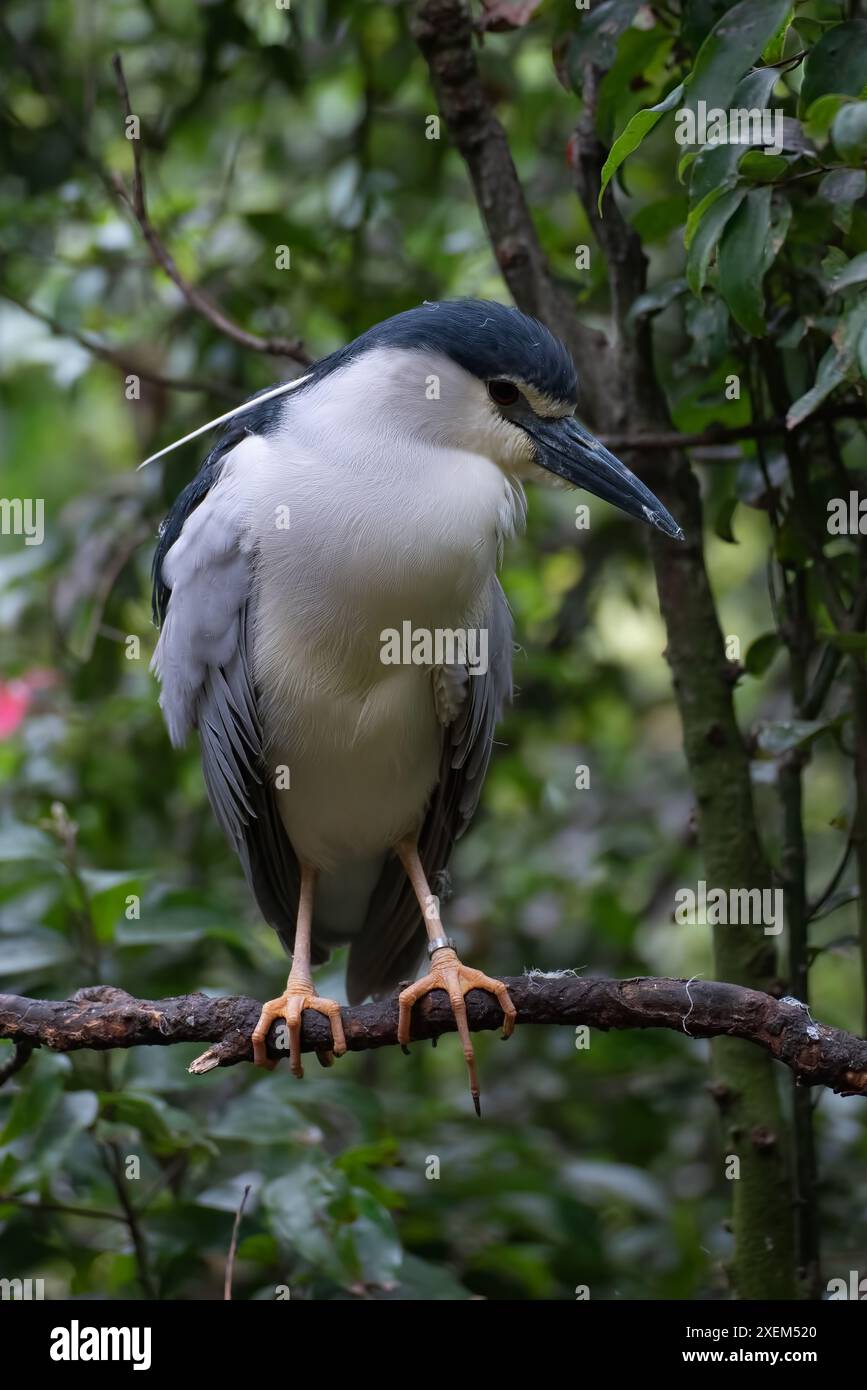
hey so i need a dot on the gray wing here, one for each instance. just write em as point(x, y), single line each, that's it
point(202, 662)
point(393, 937)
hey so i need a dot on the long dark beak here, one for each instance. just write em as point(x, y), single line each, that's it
point(566, 448)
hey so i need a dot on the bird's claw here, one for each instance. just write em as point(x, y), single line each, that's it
point(298, 996)
point(449, 973)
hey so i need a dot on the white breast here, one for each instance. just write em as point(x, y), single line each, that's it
point(376, 535)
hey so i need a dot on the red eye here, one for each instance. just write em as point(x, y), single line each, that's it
point(503, 392)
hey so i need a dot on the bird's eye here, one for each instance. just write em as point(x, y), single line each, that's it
point(503, 392)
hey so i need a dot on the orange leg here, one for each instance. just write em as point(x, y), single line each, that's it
point(299, 994)
point(447, 972)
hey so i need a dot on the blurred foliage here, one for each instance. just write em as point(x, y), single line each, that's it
point(305, 127)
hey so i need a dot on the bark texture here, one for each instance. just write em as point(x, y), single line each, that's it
point(623, 396)
point(102, 1017)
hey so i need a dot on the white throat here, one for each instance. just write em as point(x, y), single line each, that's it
point(385, 521)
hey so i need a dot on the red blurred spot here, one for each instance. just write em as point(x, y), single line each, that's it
point(16, 697)
point(14, 704)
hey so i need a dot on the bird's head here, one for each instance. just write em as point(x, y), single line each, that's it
point(465, 376)
point(477, 376)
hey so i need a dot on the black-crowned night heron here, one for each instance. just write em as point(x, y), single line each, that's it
point(333, 627)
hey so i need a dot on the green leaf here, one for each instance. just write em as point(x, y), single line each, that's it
point(296, 1205)
point(855, 273)
point(707, 323)
point(621, 1182)
point(698, 213)
point(699, 17)
point(842, 188)
point(761, 167)
point(838, 63)
point(37, 949)
point(831, 373)
point(372, 1238)
point(775, 739)
point(849, 132)
point(657, 299)
point(419, 1281)
point(809, 30)
point(166, 1129)
point(761, 653)
point(628, 141)
point(174, 925)
point(793, 335)
point(32, 1106)
point(733, 44)
point(820, 115)
point(639, 64)
point(74, 1112)
point(19, 842)
point(685, 163)
point(107, 892)
point(852, 643)
point(261, 1249)
point(261, 1116)
point(340, 1230)
point(722, 522)
point(716, 165)
point(742, 261)
point(228, 1195)
point(773, 49)
point(840, 362)
point(596, 38)
point(707, 235)
point(657, 220)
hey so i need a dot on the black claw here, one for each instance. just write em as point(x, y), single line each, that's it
point(477, 1103)
point(434, 1041)
point(404, 1049)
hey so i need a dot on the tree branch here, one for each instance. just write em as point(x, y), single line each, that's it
point(136, 202)
point(728, 831)
point(726, 434)
point(103, 1017)
point(117, 357)
point(625, 396)
point(443, 30)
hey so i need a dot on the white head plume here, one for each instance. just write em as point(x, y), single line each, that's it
point(229, 415)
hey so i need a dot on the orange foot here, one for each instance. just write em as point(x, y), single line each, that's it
point(449, 973)
point(297, 997)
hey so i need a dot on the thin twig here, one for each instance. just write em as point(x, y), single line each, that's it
point(722, 434)
point(118, 358)
point(61, 1209)
point(814, 909)
point(20, 1057)
point(113, 1163)
point(233, 1247)
point(136, 202)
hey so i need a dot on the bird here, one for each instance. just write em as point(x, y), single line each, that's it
point(333, 627)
